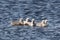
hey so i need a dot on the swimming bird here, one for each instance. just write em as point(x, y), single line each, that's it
point(21, 21)
point(43, 23)
point(31, 23)
point(25, 22)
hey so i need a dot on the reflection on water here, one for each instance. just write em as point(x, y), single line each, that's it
point(37, 9)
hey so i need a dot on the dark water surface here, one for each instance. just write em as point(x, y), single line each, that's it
point(37, 9)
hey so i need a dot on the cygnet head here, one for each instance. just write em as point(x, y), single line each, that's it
point(33, 22)
point(33, 19)
point(20, 19)
point(27, 19)
point(45, 21)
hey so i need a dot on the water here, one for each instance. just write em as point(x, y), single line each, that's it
point(37, 9)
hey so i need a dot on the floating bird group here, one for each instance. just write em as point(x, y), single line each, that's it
point(43, 23)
